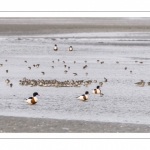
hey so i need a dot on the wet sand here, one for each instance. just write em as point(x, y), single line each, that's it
point(30, 26)
point(42, 125)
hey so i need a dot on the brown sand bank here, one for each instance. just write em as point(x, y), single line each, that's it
point(33, 26)
point(43, 125)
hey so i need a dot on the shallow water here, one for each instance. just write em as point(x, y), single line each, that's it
point(122, 100)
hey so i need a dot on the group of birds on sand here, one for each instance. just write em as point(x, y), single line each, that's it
point(33, 100)
point(57, 83)
point(67, 83)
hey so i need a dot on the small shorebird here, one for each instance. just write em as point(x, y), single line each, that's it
point(33, 65)
point(11, 84)
point(70, 48)
point(65, 66)
point(84, 66)
point(7, 81)
point(6, 60)
point(6, 71)
point(125, 68)
point(86, 73)
point(95, 81)
point(55, 47)
point(32, 100)
point(75, 74)
point(58, 59)
point(148, 83)
point(97, 60)
point(29, 68)
point(100, 83)
point(68, 67)
point(131, 71)
point(64, 62)
point(136, 61)
point(141, 84)
point(83, 97)
point(25, 61)
point(53, 61)
point(102, 62)
point(65, 71)
point(97, 90)
point(141, 62)
point(74, 62)
point(43, 73)
point(1, 65)
point(105, 80)
point(37, 65)
point(117, 62)
point(52, 66)
point(101, 94)
point(85, 61)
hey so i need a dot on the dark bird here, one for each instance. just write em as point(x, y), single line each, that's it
point(11, 84)
point(43, 73)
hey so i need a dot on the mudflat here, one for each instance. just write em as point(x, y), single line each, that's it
point(30, 26)
point(44, 125)
point(106, 39)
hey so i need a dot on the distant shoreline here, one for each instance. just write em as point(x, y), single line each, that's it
point(35, 26)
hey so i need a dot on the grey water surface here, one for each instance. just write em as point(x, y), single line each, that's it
point(122, 102)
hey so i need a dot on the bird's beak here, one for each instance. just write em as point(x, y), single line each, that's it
point(38, 95)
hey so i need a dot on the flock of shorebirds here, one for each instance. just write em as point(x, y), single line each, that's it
point(66, 83)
